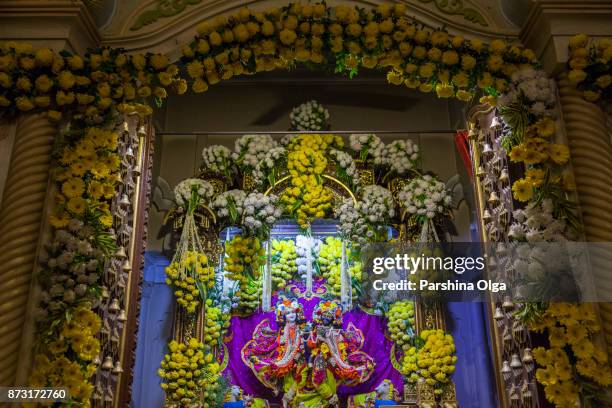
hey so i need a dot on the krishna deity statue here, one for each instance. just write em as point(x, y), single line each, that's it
point(308, 362)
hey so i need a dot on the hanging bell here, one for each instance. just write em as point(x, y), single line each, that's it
point(495, 122)
point(518, 331)
point(125, 201)
point(528, 358)
point(129, 152)
point(117, 369)
point(108, 395)
point(499, 316)
point(114, 306)
point(136, 170)
point(108, 363)
point(487, 151)
point(96, 360)
point(506, 370)
point(508, 305)
point(486, 216)
point(122, 316)
point(126, 266)
point(120, 252)
point(516, 365)
point(503, 176)
point(480, 173)
point(493, 198)
point(104, 293)
point(142, 131)
point(473, 134)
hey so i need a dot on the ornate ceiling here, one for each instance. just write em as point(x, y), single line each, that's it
point(162, 24)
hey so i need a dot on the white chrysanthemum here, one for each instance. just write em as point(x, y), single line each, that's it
point(535, 88)
point(402, 156)
point(309, 116)
point(251, 149)
point(183, 191)
point(255, 212)
point(425, 197)
point(272, 158)
point(218, 159)
point(346, 166)
point(366, 144)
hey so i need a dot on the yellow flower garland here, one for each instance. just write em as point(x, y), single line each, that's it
point(185, 275)
point(589, 66)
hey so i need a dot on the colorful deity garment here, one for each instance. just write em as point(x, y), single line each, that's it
point(272, 355)
point(336, 350)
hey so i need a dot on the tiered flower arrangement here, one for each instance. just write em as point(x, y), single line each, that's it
point(590, 66)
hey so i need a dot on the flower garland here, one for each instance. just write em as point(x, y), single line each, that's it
point(590, 66)
point(309, 116)
point(400, 323)
point(190, 375)
point(329, 259)
point(188, 277)
point(244, 258)
point(284, 265)
point(306, 161)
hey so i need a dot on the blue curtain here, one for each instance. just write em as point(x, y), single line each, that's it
point(154, 331)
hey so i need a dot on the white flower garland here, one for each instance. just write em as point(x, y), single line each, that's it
point(345, 162)
point(537, 89)
point(309, 116)
point(218, 159)
point(265, 167)
point(425, 197)
point(537, 223)
point(402, 156)
point(251, 149)
point(255, 212)
point(184, 189)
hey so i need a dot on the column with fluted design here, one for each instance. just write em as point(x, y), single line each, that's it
point(21, 217)
point(591, 154)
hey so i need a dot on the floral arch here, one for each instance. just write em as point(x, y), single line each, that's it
point(100, 101)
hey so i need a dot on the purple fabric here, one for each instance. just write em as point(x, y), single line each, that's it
point(375, 345)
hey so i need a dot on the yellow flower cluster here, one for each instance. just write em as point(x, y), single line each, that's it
point(87, 87)
point(385, 38)
point(542, 159)
point(401, 323)
point(189, 374)
point(329, 259)
point(572, 353)
point(244, 259)
point(87, 177)
point(434, 362)
point(213, 327)
point(185, 275)
point(307, 198)
point(67, 360)
point(283, 267)
point(589, 66)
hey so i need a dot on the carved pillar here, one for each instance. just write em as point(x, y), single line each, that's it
point(21, 216)
point(591, 153)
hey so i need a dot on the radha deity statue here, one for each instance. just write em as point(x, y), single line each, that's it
point(274, 356)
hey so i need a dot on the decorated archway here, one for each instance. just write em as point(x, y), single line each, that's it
point(100, 102)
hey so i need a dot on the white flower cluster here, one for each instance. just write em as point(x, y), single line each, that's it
point(218, 159)
point(233, 199)
point(425, 196)
point(402, 156)
point(309, 116)
point(285, 140)
point(254, 212)
point(368, 144)
point(75, 267)
point(360, 222)
point(347, 164)
point(251, 149)
point(536, 87)
point(264, 167)
point(303, 244)
point(536, 223)
point(183, 190)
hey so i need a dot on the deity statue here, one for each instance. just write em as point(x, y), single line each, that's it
point(274, 356)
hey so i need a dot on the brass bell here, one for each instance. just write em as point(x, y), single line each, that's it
point(125, 201)
point(493, 198)
point(142, 131)
point(114, 306)
point(527, 358)
point(515, 362)
point(486, 216)
point(122, 316)
point(96, 360)
point(129, 153)
point(108, 363)
point(473, 134)
point(105, 293)
point(136, 170)
point(126, 128)
point(120, 252)
point(508, 305)
point(487, 151)
point(480, 173)
point(127, 266)
point(506, 370)
point(495, 122)
point(117, 369)
point(499, 316)
point(503, 177)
